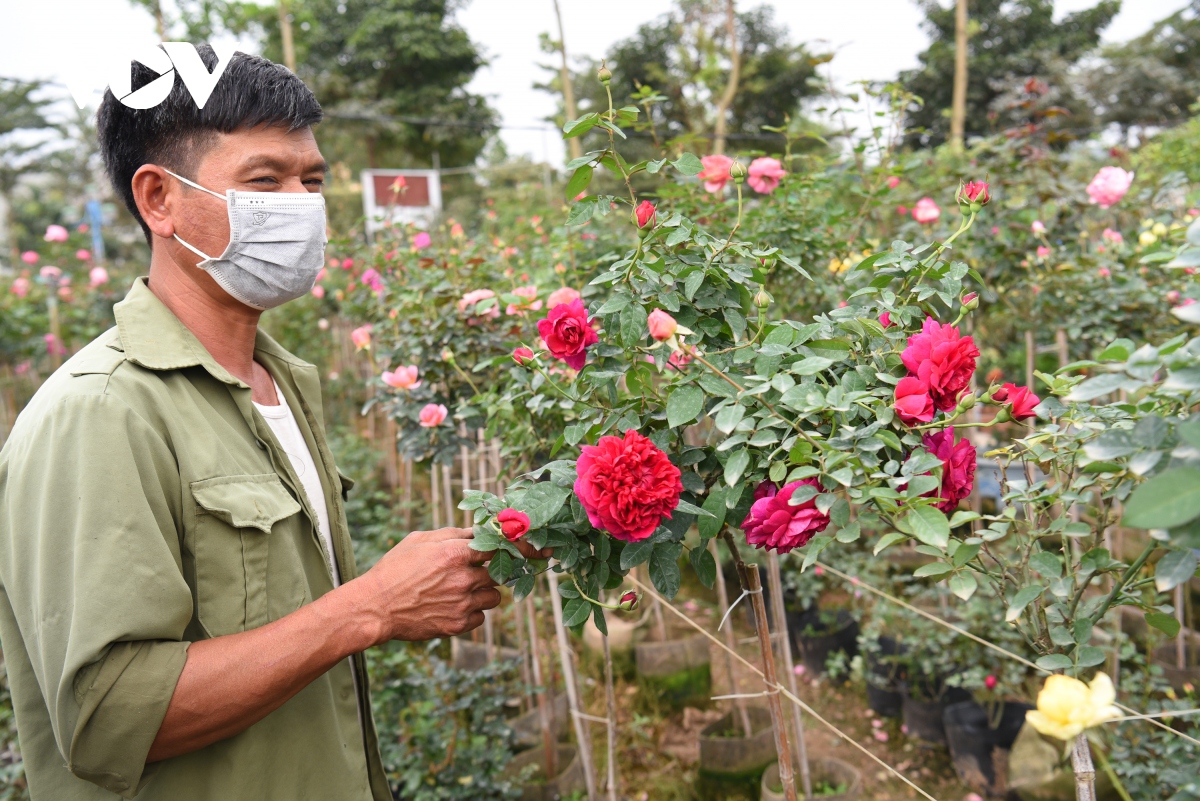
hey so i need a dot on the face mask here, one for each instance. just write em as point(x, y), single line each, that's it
point(276, 245)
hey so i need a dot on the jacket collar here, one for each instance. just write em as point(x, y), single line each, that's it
point(154, 338)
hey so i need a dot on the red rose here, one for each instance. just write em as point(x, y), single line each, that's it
point(775, 524)
point(1020, 400)
point(885, 320)
point(522, 356)
point(913, 403)
point(646, 214)
point(568, 333)
point(943, 359)
point(629, 601)
point(627, 486)
point(958, 467)
point(513, 523)
point(976, 192)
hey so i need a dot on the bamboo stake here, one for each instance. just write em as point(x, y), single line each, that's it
point(610, 698)
point(551, 759)
point(464, 455)
point(775, 579)
point(1180, 649)
point(1030, 358)
point(407, 469)
point(435, 510)
point(1085, 772)
point(523, 652)
point(448, 494)
point(730, 641)
point(583, 734)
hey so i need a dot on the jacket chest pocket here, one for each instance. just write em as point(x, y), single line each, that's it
point(238, 523)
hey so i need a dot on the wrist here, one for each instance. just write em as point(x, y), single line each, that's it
point(352, 617)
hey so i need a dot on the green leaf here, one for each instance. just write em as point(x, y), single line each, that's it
point(929, 526)
point(633, 325)
point(576, 611)
point(1047, 564)
point(485, 540)
point(688, 164)
point(693, 281)
point(964, 585)
point(690, 509)
point(684, 404)
point(810, 365)
point(704, 565)
point(1168, 500)
point(599, 619)
point(542, 502)
point(714, 504)
point(1107, 384)
point(888, 540)
point(932, 569)
point(1174, 568)
point(728, 418)
point(664, 568)
point(523, 587)
point(580, 126)
point(962, 517)
point(1022, 599)
point(501, 567)
point(635, 553)
point(850, 533)
point(581, 212)
point(1054, 662)
point(1088, 655)
point(1165, 623)
point(579, 181)
point(736, 465)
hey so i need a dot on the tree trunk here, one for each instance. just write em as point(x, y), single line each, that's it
point(574, 146)
point(735, 74)
point(958, 105)
point(285, 33)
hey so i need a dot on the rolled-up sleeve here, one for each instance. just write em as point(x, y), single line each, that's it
point(90, 500)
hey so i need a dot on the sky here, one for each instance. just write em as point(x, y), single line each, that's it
point(77, 41)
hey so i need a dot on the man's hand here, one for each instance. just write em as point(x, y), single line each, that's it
point(433, 584)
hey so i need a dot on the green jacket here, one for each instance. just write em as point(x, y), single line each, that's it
point(144, 505)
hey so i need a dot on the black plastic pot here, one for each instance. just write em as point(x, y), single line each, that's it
point(923, 719)
point(883, 702)
point(815, 649)
point(827, 771)
point(883, 680)
point(1165, 658)
point(973, 741)
point(567, 783)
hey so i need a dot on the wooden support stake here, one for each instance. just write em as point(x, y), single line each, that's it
point(775, 579)
point(551, 758)
point(611, 699)
point(523, 651)
point(464, 455)
point(583, 734)
point(1030, 358)
point(448, 494)
point(1180, 641)
point(730, 641)
point(1085, 772)
point(435, 498)
point(407, 469)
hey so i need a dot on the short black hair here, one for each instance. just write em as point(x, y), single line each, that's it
point(175, 134)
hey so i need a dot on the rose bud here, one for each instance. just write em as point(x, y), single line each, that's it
point(990, 682)
point(737, 171)
point(970, 301)
point(645, 214)
point(629, 601)
point(974, 195)
point(522, 356)
point(662, 325)
point(966, 402)
point(513, 524)
point(885, 320)
point(604, 75)
point(762, 298)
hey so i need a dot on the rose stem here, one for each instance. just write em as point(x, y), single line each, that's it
point(583, 735)
point(1085, 772)
point(775, 580)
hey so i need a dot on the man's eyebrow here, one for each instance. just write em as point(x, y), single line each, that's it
point(272, 163)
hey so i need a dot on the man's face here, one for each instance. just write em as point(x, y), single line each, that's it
point(262, 159)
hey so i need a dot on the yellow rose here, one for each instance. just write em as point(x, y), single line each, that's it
point(1067, 706)
point(1147, 238)
point(1159, 229)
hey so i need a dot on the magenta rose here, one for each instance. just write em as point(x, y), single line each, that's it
point(627, 486)
point(943, 359)
point(913, 403)
point(1020, 401)
point(958, 467)
point(775, 524)
point(568, 333)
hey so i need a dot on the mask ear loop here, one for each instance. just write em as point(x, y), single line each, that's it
point(195, 250)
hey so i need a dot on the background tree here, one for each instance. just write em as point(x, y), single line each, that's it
point(23, 147)
point(1011, 40)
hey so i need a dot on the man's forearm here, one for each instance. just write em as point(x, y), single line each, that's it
point(230, 683)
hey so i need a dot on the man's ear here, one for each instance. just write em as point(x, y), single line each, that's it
point(154, 196)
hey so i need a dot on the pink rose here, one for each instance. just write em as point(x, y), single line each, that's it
point(893, 181)
point(347, 264)
point(361, 337)
point(627, 485)
point(765, 174)
point(679, 360)
point(83, 255)
point(903, 210)
point(1020, 400)
point(885, 320)
point(50, 273)
point(433, 415)
point(646, 214)
point(53, 345)
point(990, 682)
point(456, 231)
point(29, 257)
point(422, 240)
point(56, 233)
point(1043, 251)
point(943, 359)
point(20, 287)
point(402, 377)
point(958, 467)
point(514, 524)
point(474, 296)
point(97, 276)
point(715, 172)
point(1038, 227)
point(776, 524)
point(1112, 236)
point(662, 325)
point(975, 192)
point(318, 291)
point(522, 356)
point(1109, 186)
point(913, 403)
point(926, 211)
point(568, 333)
point(1104, 272)
point(1173, 296)
point(561, 295)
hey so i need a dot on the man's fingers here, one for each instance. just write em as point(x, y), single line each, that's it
point(443, 534)
point(488, 598)
point(529, 552)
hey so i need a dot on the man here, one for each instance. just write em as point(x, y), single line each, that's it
point(180, 612)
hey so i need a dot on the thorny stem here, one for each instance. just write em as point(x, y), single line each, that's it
point(1129, 573)
point(587, 597)
point(735, 228)
point(612, 146)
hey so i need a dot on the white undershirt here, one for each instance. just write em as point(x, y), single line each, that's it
point(287, 431)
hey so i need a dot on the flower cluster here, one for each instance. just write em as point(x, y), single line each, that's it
point(942, 361)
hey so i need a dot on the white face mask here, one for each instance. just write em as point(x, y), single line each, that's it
point(276, 245)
